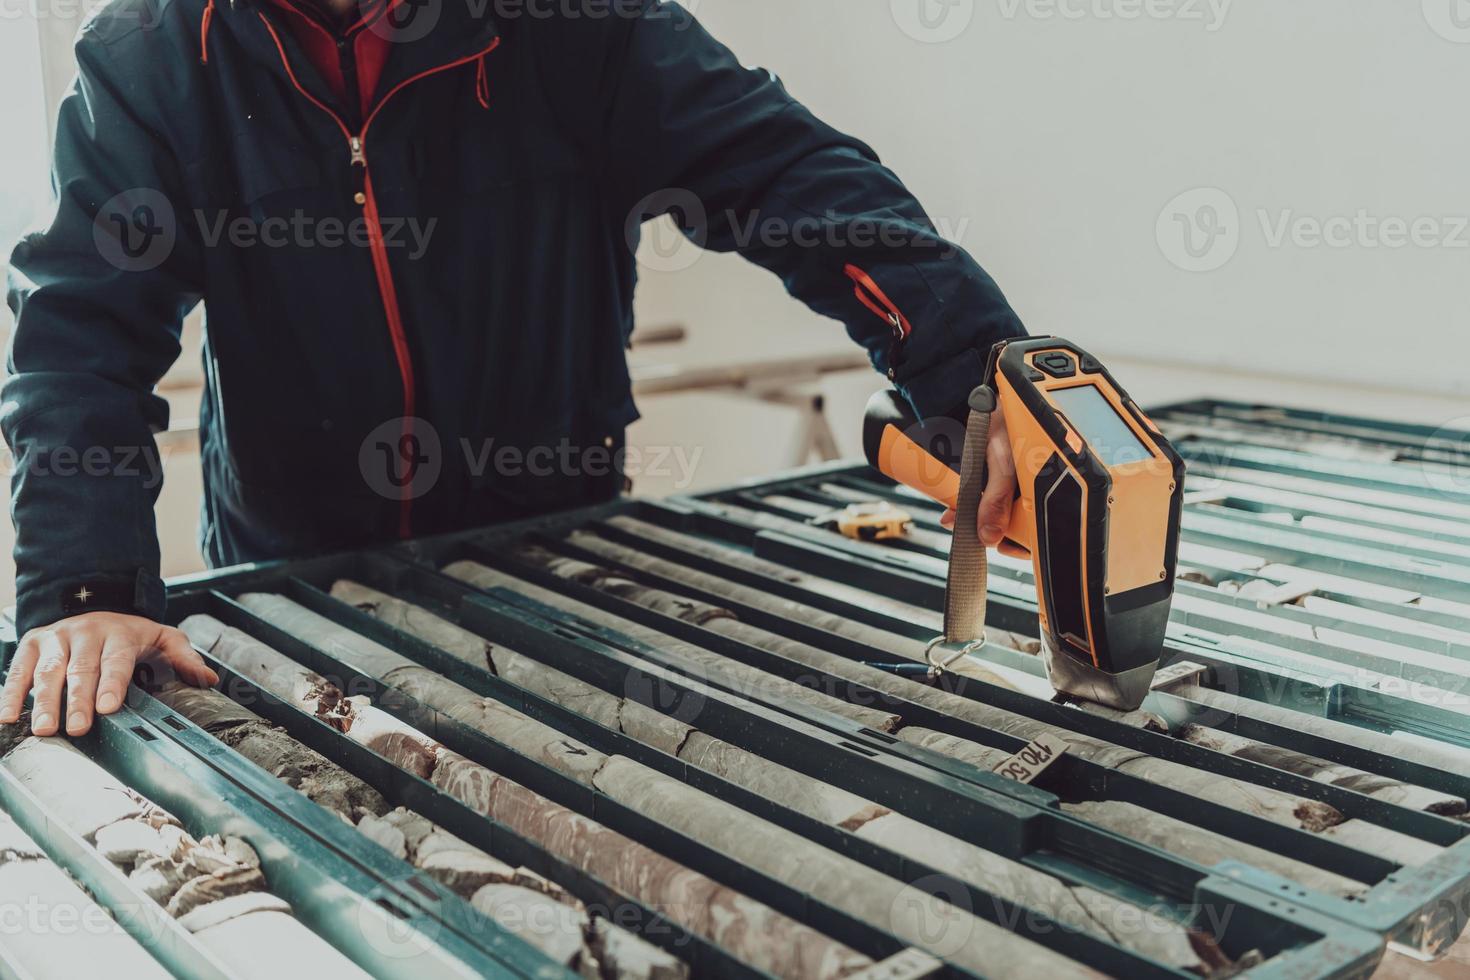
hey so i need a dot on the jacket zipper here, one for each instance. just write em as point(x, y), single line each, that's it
point(871, 296)
point(357, 148)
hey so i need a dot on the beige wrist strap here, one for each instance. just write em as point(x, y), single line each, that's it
point(964, 591)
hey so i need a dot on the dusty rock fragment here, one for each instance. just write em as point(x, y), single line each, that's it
point(159, 878)
point(240, 851)
point(415, 827)
point(379, 731)
point(209, 856)
point(268, 944)
point(466, 872)
point(385, 835)
point(633, 961)
point(213, 913)
point(556, 929)
point(127, 842)
point(206, 888)
point(322, 782)
point(78, 792)
point(28, 876)
point(176, 841)
point(171, 867)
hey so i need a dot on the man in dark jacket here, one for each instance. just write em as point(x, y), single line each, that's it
point(408, 226)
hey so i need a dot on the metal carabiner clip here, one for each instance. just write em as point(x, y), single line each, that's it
point(939, 667)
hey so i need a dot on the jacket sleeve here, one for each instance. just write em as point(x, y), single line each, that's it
point(99, 297)
point(744, 167)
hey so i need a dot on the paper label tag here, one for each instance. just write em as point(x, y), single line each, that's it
point(1033, 760)
point(906, 964)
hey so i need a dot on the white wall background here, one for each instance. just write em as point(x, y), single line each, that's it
point(1056, 132)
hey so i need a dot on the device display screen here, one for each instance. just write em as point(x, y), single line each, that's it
point(1095, 419)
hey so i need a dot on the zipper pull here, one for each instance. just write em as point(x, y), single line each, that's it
point(875, 299)
point(358, 158)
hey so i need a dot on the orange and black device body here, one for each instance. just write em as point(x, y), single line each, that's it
point(1100, 492)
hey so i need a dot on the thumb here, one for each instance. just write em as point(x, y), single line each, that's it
point(180, 654)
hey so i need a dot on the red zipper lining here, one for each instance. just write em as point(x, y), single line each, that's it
point(413, 78)
point(204, 32)
point(395, 330)
point(875, 299)
point(381, 268)
point(286, 63)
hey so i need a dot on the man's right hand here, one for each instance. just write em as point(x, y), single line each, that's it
point(92, 657)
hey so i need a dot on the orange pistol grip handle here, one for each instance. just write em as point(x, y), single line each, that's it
point(926, 457)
